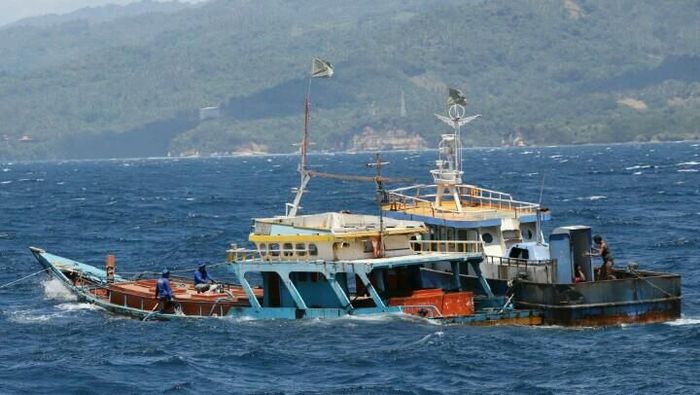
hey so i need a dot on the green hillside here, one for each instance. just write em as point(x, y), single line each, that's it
point(552, 72)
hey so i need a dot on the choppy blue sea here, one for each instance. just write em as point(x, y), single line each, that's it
point(153, 213)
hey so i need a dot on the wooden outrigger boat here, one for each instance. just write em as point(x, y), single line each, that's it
point(136, 298)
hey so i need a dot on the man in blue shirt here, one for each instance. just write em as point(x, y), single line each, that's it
point(164, 293)
point(202, 281)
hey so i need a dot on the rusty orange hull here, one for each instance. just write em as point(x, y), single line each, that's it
point(433, 303)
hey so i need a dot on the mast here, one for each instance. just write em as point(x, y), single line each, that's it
point(319, 69)
point(448, 174)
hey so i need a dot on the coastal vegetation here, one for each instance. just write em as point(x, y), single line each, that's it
point(544, 72)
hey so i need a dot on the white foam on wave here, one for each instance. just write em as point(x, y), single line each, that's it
point(691, 163)
point(637, 167)
point(77, 306)
point(54, 289)
point(684, 321)
point(6, 182)
point(637, 173)
point(593, 198)
point(687, 170)
point(29, 317)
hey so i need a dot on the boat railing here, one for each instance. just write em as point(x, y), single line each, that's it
point(242, 255)
point(447, 246)
point(470, 195)
point(517, 262)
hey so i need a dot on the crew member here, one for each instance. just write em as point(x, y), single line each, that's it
point(202, 281)
point(579, 276)
point(164, 293)
point(602, 250)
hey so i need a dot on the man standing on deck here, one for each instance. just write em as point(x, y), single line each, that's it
point(202, 281)
point(163, 292)
point(603, 251)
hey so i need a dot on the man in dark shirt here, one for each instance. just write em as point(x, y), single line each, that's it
point(602, 250)
point(164, 293)
point(202, 281)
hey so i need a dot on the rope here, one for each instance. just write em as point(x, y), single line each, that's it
point(636, 274)
point(23, 278)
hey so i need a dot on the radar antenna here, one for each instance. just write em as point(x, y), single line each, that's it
point(448, 174)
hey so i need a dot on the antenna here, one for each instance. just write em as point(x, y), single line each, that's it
point(540, 210)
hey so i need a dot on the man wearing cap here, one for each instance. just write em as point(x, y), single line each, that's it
point(202, 281)
point(163, 292)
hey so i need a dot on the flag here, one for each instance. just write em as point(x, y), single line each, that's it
point(455, 96)
point(321, 68)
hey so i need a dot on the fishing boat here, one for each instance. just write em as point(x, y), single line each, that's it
point(317, 266)
point(136, 298)
point(517, 260)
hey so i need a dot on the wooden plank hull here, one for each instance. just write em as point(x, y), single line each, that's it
point(137, 298)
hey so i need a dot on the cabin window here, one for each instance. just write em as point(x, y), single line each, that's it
point(313, 250)
point(287, 249)
point(263, 249)
point(301, 249)
point(274, 249)
point(527, 234)
point(487, 238)
point(368, 247)
point(519, 253)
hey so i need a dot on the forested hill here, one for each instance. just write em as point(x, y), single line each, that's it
point(548, 72)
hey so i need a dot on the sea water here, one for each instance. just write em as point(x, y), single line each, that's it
point(156, 213)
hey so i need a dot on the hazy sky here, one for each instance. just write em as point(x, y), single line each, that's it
point(12, 10)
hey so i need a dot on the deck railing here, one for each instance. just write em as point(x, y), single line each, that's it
point(447, 246)
point(469, 195)
point(515, 262)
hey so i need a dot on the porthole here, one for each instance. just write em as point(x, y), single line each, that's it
point(487, 238)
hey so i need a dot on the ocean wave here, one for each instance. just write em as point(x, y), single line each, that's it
point(637, 167)
point(54, 289)
point(687, 170)
point(684, 321)
point(77, 306)
point(29, 317)
point(691, 163)
point(592, 198)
